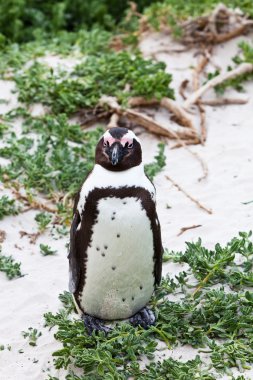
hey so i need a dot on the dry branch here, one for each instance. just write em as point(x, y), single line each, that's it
point(179, 112)
point(2, 236)
point(183, 87)
point(32, 236)
point(152, 126)
point(224, 101)
point(209, 211)
point(243, 68)
point(33, 203)
point(221, 25)
point(183, 229)
point(147, 122)
point(196, 73)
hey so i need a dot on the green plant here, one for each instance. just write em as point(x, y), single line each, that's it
point(8, 207)
point(9, 267)
point(32, 335)
point(43, 219)
point(155, 167)
point(213, 320)
point(45, 250)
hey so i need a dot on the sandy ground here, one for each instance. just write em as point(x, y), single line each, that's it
point(229, 155)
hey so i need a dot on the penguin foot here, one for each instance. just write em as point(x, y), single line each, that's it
point(94, 324)
point(143, 318)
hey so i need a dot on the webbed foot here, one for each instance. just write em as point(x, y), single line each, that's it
point(94, 324)
point(143, 318)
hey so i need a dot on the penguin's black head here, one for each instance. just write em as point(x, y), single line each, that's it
point(118, 149)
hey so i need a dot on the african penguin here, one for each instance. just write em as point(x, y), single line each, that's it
point(115, 257)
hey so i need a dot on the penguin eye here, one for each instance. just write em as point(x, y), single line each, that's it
point(130, 145)
point(106, 143)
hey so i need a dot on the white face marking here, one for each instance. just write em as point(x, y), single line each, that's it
point(119, 275)
point(126, 139)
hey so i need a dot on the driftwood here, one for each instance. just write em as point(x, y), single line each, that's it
point(221, 25)
point(243, 68)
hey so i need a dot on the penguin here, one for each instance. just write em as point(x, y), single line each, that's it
point(115, 255)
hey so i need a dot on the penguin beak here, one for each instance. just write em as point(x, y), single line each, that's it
point(116, 153)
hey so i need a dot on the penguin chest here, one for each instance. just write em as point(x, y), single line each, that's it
point(120, 260)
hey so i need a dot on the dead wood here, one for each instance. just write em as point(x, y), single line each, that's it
point(243, 68)
point(209, 211)
point(138, 101)
point(183, 229)
point(32, 203)
point(224, 101)
point(2, 236)
point(32, 236)
point(221, 25)
point(153, 127)
point(147, 122)
point(113, 121)
point(88, 116)
point(183, 87)
point(181, 116)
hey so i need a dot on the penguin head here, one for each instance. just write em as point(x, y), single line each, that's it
point(118, 149)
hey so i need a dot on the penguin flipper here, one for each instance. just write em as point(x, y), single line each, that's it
point(158, 247)
point(74, 268)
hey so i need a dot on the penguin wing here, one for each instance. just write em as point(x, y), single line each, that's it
point(74, 267)
point(158, 250)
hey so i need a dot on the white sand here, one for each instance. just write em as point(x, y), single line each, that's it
point(229, 155)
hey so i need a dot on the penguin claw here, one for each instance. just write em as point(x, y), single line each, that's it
point(143, 318)
point(94, 324)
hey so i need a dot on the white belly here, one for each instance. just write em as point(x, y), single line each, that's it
point(119, 269)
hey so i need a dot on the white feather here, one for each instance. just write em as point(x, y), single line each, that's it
point(119, 269)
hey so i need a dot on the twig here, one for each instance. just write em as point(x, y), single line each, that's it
point(223, 37)
point(2, 236)
point(223, 101)
point(203, 282)
point(32, 204)
point(182, 87)
point(198, 70)
point(32, 236)
point(183, 229)
point(241, 69)
point(209, 211)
